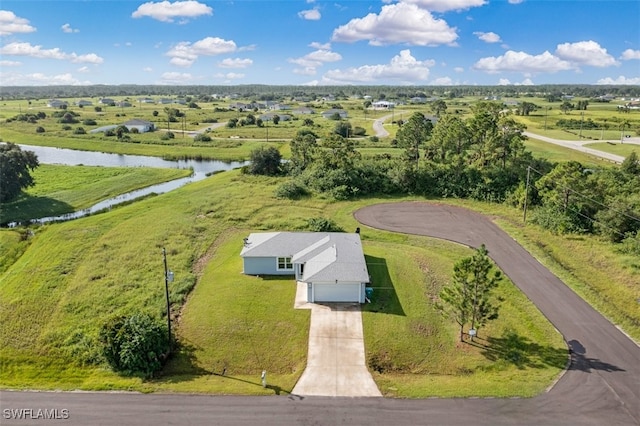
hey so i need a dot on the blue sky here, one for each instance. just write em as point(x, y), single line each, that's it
point(298, 42)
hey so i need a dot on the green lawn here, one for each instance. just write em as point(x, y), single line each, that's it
point(79, 273)
point(65, 189)
point(615, 148)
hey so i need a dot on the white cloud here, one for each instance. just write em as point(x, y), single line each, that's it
point(403, 68)
point(630, 54)
point(10, 63)
point(585, 53)
point(527, 82)
point(147, 69)
point(458, 69)
point(66, 28)
point(321, 46)
point(620, 80)
point(504, 82)
point(489, 37)
point(185, 53)
point(397, 23)
point(40, 79)
point(313, 60)
point(442, 81)
point(311, 14)
point(83, 69)
point(12, 24)
point(166, 11)
point(181, 62)
point(26, 49)
point(447, 5)
point(235, 63)
point(522, 62)
point(176, 78)
point(516, 1)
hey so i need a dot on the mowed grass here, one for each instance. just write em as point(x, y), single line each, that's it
point(65, 189)
point(73, 276)
point(616, 148)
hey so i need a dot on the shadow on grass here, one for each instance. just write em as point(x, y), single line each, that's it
point(520, 351)
point(183, 367)
point(384, 298)
point(28, 207)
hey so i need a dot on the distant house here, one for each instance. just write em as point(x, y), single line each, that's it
point(123, 104)
point(304, 110)
point(56, 103)
point(331, 264)
point(332, 112)
point(383, 105)
point(280, 107)
point(83, 103)
point(146, 100)
point(269, 116)
point(418, 100)
point(143, 126)
point(106, 101)
point(165, 101)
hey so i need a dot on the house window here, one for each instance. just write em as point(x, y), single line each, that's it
point(284, 264)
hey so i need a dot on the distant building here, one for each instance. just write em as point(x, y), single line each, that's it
point(56, 103)
point(332, 112)
point(143, 126)
point(83, 103)
point(383, 105)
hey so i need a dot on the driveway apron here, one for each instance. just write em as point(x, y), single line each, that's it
point(336, 361)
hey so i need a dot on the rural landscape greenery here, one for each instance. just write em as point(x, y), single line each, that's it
point(62, 284)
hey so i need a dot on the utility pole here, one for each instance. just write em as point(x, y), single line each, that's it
point(526, 194)
point(168, 276)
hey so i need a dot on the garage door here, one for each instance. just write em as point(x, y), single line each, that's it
point(336, 292)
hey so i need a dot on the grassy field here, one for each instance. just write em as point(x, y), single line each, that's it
point(60, 282)
point(65, 189)
point(80, 273)
point(618, 149)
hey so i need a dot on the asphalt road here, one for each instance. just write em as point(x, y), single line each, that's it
point(600, 387)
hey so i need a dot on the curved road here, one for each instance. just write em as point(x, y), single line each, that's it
point(601, 385)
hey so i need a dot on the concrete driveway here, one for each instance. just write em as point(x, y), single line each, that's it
point(336, 361)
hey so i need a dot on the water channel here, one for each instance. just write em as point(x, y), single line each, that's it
point(69, 157)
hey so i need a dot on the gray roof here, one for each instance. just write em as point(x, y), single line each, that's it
point(327, 256)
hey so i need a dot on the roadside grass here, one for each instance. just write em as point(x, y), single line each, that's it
point(73, 276)
point(616, 148)
point(65, 189)
point(559, 154)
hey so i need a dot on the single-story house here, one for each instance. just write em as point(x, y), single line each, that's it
point(143, 126)
point(331, 112)
point(331, 264)
point(383, 105)
point(83, 103)
point(123, 104)
point(56, 103)
point(269, 116)
point(106, 101)
point(146, 100)
point(304, 110)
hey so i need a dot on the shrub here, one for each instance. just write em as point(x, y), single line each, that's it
point(134, 345)
point(291, 190)
point(89, 122)
point(167, 136)
point(202, 138)
point(66, 127)
point(265, 161)
point(79, 131)
point(39, 129)
point(109, 132)
point(321, 224)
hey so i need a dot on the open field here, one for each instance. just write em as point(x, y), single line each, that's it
point(229, 319)
point(65, 189)
point(114, 261)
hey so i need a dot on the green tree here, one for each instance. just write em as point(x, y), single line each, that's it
point(450, 139)
point(303, 150)
point(413, 133)
point(524, 108)
point(343, 128)
point(15, 168)
point(276, 119)
point(566, 107)
point(439, 107)
point(265, 161)
point(483, 129)
point(134, 345)
point(631, 164)
point(469, 298)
